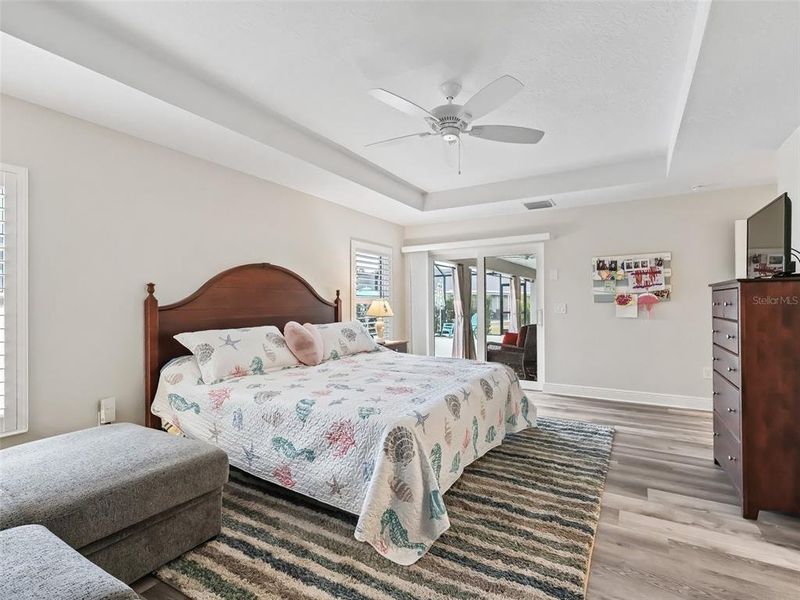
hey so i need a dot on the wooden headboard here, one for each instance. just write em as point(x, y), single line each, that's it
point(245, 296)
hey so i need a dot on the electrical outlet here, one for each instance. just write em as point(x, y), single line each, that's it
point(707, 372)
point(108, 410)
point(560, 308)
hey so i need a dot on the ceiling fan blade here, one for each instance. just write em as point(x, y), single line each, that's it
point(507, 133)
point(399, 103)
point(402, 137)
point(492, 96)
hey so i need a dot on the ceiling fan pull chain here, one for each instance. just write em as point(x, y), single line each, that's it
point(459, 156)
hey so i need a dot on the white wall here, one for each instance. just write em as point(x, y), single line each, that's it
point(589, 346)
point(788, 159)
point(108, 213)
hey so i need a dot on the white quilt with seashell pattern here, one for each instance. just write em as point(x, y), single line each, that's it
point(378, 434)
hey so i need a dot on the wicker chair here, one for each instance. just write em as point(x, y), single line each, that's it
point(520, 358)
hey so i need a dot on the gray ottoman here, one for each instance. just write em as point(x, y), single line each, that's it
point(128, 498)
point(39, 566)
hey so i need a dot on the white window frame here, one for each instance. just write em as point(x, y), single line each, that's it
point(364, 246)
point(14, 418)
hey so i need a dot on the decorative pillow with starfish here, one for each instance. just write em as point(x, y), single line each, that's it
point(228, 353)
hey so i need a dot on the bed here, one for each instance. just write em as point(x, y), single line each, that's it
point(378, 434)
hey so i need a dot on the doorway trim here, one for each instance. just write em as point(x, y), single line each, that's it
point(479, 243)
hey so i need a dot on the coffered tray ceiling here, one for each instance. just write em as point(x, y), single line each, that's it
point(636, 99)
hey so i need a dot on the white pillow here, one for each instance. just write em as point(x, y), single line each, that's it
point(342, 339)
point(226, 353)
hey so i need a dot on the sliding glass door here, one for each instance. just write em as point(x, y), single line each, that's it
point(510, 313)
point(455, 316)
point(486, 305)
point(443, 308)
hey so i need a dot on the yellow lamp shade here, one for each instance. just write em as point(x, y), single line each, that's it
point(379, 308)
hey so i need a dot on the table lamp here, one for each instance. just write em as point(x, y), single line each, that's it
point(379, 308)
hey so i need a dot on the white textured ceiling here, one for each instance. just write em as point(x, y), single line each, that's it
point(745, 94)
point(619, 88)
point(599, 77)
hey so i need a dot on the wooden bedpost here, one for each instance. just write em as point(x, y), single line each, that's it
point(150, 355)
point(338, 307)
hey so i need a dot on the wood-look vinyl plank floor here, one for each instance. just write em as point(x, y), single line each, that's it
point(670, 527)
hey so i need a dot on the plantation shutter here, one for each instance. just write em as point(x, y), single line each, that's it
point(372, 280)
point(3, 249)
point(13, 300)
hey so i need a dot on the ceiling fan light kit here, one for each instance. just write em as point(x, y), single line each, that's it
point(450, 120)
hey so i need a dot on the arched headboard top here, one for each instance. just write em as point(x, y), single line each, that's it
point(244, 296)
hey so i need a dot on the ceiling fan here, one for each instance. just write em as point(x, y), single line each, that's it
point(451, 120)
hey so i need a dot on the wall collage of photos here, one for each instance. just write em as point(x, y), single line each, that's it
point(634, 284)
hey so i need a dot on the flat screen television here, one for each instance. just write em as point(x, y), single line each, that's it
point(769, 247)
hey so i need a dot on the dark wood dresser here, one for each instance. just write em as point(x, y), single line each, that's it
point(756, 357)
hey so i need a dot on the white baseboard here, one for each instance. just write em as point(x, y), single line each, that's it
point(530, 386)
point(601, 393)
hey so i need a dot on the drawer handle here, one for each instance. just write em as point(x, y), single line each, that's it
point(715, 304)
point(714, 359)
point(731, 410)
point(715, 331)
point(716, 434)
point(731, 458)
point(715, 393)
point(729, 336)
point(731, 369)
point(727, 304)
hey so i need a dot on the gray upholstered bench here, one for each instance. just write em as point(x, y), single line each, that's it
point(39, 566)
point(128, 498)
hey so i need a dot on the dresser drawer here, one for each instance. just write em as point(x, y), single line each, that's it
point(728, 452)
point(727, 364)
point(725, 303)
point(725, 334)
point(728, 404)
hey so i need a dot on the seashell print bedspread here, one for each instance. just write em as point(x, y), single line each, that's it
point(379, 434)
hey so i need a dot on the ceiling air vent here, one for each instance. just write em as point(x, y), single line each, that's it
point(539, 204)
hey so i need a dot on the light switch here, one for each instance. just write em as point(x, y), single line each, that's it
point(560, 309)
point(553, 274)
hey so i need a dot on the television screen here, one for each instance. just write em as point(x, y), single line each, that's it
point(768, 239)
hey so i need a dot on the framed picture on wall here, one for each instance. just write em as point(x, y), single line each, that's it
point(631, 276)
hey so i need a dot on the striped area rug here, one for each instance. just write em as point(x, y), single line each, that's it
point(523, 521)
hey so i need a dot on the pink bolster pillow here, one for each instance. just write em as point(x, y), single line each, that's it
point(304, 341)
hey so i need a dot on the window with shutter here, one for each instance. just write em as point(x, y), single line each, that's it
point(13, 300)
point(371, 269)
